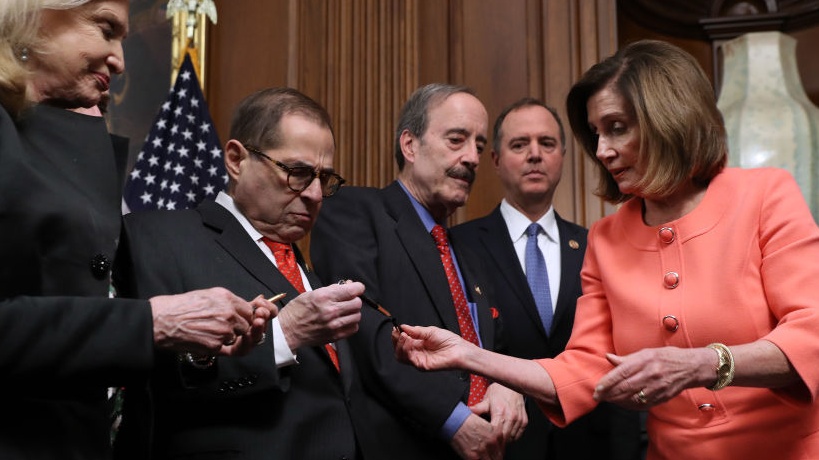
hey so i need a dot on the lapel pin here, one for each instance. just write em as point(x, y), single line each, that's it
point(574, 244)
point(478, 290)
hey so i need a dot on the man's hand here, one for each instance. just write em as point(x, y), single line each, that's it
point(203, 322)
point(263, 310)
point(324, 315)
point(506, 410)
point(477, 440)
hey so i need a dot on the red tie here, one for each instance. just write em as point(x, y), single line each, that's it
point(286, 261)
point(477, 383)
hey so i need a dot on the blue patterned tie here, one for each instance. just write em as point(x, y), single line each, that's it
point(538, 277)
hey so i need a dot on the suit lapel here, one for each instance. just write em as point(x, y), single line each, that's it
point(571, 260)
point(229, 234)
point(421, 250)
point(495, 239)
point(474, 293)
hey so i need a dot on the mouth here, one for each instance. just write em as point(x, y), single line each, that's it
point(617, 173)
point(103, 81)
point(462, 173)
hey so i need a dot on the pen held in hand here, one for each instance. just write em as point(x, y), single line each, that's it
point(381, 310)
point(277, 297)
point(372, 303)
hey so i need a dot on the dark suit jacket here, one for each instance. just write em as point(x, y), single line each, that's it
point(376, 237)
point(242, 407)
point(608, 432)
point(63, 340)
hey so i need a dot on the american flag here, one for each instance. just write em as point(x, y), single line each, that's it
point(181, 161)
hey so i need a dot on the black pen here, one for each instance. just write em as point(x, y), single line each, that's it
point(372, 303)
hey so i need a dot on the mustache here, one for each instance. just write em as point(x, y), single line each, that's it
point(462, 172)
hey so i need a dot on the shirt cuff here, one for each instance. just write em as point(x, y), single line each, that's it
point(455, 420)
point(281, 350)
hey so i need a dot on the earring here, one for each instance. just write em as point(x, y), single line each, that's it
point(24, 54)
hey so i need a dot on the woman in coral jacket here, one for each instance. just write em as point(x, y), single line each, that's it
point(700, 299)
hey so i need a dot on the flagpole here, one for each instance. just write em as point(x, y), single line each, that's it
point(190, 32)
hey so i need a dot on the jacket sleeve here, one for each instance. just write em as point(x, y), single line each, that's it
point(75, 339)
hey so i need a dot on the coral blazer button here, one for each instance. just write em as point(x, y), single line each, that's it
point(671, 280)
point(666, 235)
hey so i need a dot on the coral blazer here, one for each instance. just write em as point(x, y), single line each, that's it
point(742, 266)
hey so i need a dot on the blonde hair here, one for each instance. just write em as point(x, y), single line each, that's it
point(19, 26)
point(682, 134)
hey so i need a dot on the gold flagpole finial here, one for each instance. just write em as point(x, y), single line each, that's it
point(189, 31)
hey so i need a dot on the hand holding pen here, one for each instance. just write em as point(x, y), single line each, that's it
point(373, 304)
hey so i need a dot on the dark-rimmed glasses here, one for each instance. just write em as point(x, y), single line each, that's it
point(300, 177)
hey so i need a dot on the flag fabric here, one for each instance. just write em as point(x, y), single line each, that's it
point(181, 161)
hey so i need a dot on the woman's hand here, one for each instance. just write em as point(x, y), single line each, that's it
point(654, 375)
point(429, 348)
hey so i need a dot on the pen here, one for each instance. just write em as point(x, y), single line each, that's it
point(372, 303)
point(277, 297)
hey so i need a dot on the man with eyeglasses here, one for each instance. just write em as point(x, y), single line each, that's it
point(296, 395)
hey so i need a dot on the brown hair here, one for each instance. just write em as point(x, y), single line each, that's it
point(497, 131)
point(682, 134)
point(256, 119)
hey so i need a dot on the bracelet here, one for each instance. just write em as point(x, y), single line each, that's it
point(725, 367)
point(199, 362)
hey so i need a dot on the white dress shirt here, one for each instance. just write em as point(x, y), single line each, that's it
point(283, 354)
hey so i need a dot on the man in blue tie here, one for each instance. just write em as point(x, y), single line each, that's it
point(537, 257)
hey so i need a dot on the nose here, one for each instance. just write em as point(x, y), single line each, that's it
point(116, 60)
point(533, 152)
point(604, 150)
point(313, 191)
point(471, 155)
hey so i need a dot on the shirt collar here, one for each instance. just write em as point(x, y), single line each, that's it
point(227, 202)
point(517, 223)
point(422, 212)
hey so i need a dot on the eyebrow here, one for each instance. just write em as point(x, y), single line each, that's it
point(526, 138)
point(302, 164)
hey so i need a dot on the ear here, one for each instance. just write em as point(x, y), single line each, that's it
point(235, 154)
point(409, 144)
point(495, 158)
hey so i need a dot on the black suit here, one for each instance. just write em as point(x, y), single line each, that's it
point(376, 237)
point(63, 341)
point(241, 407)
point(606, 433)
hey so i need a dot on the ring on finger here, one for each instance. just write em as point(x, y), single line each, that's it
point(231, 341)
point(262, 338)
point(640, 397)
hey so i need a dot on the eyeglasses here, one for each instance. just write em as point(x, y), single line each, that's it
point(300, 177)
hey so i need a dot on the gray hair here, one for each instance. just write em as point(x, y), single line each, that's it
point(414, 116)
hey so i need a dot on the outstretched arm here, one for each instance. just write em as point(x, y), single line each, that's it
point(432, 348)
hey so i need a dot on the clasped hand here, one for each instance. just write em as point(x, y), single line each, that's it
point(208, 322)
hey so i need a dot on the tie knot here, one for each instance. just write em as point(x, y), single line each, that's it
point(276, 247)
point(533, 229)
point(439, 235)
